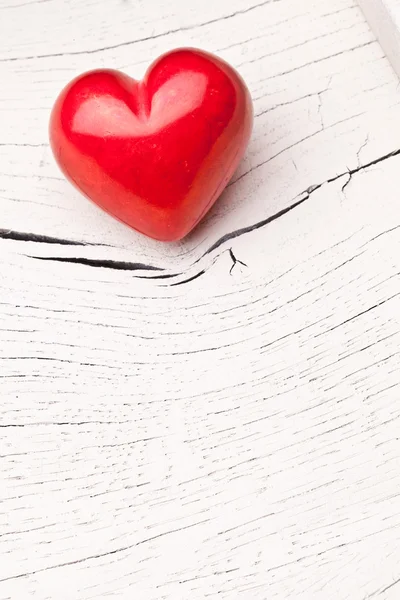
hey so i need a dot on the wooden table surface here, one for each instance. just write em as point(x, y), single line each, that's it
point(229, 431)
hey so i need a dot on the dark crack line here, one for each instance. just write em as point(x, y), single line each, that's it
point(235, 261)
point(145, 39)
point(308, 192)
point(199, 274)
point(19, 236)
point(303, 198)
point(108, 264)
point(129, 266)
point(243, 230)
point(351, 172)
point(165, 276)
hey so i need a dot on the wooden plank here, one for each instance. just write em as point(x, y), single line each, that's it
point(210, 440)
point(384, 18)
point(321, 87)
point(231, 430)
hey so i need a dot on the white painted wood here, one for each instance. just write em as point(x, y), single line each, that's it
point(384, 18)
point(234, 436)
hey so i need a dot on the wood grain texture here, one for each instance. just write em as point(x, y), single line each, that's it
point(216, 418)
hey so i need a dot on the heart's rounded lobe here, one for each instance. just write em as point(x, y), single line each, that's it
point(155, 154)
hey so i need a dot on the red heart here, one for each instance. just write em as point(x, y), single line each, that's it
point(155, 154)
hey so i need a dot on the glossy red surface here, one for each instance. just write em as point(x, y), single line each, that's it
point(155, 154)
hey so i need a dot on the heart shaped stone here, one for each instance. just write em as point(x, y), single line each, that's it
point(157, 153)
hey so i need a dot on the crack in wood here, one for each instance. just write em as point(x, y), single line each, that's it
point(131, 266)
point(250, 228)
point(19, 236)
point(235, 261)
point(199, 274)
point(108, 264)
